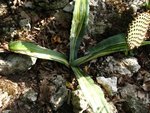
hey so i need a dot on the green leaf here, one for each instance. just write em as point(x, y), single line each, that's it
point(145, 43)
point(110, 45)
point(92, 92)
point(79, 23)
point(34, 50)
point(147, 4)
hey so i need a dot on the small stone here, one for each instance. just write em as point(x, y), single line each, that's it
point(136, 4)
point(132, 64)
point(69, 7)
point(146, 81)
point(79, 102)
point(125, 66)
point(9, 91)
point(134, 105)
point(146, 86)
point(3, 9)
point(24, 15)
point(59, 97)
point(28, 4)
point(109, 84)
point(6, 111)
point(129, 90)
point(98, 21)
point(25, 23)
point(94, 3)
point(63, 19)
point(15, 63)
point(53, 90)
point(31, 95)
point(144, 96)
point(8, 86)
point(4, 98)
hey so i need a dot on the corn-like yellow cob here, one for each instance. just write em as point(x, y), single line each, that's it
point(138, 29)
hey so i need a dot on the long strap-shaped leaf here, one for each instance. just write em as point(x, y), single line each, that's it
point(79, 23)
point(110, 45)
point(92, 92)
point(34, 50)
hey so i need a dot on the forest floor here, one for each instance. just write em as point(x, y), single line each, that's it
point(50, 28)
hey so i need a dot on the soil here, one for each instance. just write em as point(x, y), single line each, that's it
point(49, 28)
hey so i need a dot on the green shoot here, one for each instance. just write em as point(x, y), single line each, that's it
point(79, 23)
point(34, 50)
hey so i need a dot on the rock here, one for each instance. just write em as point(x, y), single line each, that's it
point(15, 63)
point(25, 20)
point(24, 15)
point(146, 86)
point(133, 105)
point(4, 98)
point(25, 23)
point(144, 96)
point(30, 95)
point(109, 84)
point(93, 3)
point(28, 4)
point(59, 97)
point(63, 19)
point(53, 90)
point(9, 91)
point(132, 64)
point(69, 7)
point(104, 13)
point(6, 111)
point(3, 9)
point(146, 82)
point(8, 86)
point(98, 21)
point(125, 66)
point(136, 4)
point(133, 99)
point(129, 90)
point(135, 92)
point(80, 105)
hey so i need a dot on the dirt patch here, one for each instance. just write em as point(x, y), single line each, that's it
point(35, 90)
